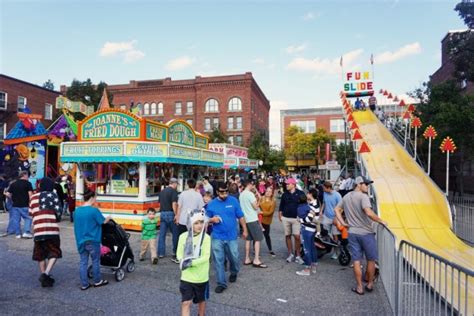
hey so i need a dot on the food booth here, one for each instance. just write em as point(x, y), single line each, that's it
point(235, 158)
point(127, 160)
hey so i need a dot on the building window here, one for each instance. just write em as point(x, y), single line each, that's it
point(212, 106)
point(190, 122)
point(231, 140)
point(123, 107)
point(207, 124)
point(153, 108)
point(160, 108)
point(178, 108)
point(21, 103)
point(3, 100)
point(239, 122)
point(306, 126)
point(48, 111)
point(230, 123)
point(235, 104)
point(215, 122)
point(339, 141)
point(336, 126)
point(238, 140)
point(146, 109)
point(3, 131)
point(189, 107)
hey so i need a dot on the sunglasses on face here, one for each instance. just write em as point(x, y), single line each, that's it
point(222, 192)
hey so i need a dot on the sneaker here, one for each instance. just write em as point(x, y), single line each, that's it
point(27, 236)
point(4, 235)
point(334, 256)
point(83, 288)
point(314, 269)
point(101, 283)
point(299, 260)
point(273, 254)
point(233, 278)
point(161, 257)
point(175, 260)
point(154, 261)
point(290, 258)
point(18, 237)
point(142, 259)
point(304, 272)
point(220, 289)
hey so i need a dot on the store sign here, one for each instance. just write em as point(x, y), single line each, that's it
point(84, 150)
point(358, 82)
point(110, 126)
point(229, 150)
point(73, 106)
point(146, 150)
point(243, 162)
point(185, 153)
point(228, 162)
point(332, 165)
point(118, 186)
point(253, 163)
point(181, 133)
point(212, 156)
point(155, 132)
point(202, 142)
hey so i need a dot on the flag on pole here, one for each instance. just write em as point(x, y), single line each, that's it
point(340, 62)
point(371, 59)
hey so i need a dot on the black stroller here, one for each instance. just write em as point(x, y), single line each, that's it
point(325, 244)
point(120, 257)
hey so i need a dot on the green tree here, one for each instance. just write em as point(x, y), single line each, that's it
point(49, 85)
point(451, 112)
point(461, 44)
point(275, 160)
point(87, 92)
point(343, 151)
point(258, 146)
point(218, 136)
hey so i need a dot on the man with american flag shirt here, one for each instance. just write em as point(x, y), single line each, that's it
point(47, 246)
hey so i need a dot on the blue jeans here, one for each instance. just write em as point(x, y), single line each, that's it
point(91, 249)
point(310, 252)
point(220, 250)
point(167, 223)
point(17, 213)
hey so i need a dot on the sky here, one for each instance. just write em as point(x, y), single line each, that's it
point(293, 48)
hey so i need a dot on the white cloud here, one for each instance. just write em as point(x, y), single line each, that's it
point(180, 63)
point(126, 50)
point(404, 51)
point(324, 66)
point(294, 49)
point(259, 61)
point(308, 16)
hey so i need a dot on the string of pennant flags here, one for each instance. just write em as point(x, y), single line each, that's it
point(407, 111)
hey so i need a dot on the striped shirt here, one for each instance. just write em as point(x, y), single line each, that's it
point(43, 207)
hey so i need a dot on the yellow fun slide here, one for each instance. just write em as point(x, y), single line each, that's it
point(412, 205)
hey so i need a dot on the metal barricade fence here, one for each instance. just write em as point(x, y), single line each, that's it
point(418, 282)
point(463, 217)
point(388, 263)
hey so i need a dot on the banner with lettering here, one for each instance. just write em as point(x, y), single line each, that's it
point(110, 125)
point(358, 84)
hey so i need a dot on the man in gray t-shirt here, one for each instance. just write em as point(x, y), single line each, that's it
point(357, 208)
point(188, 200)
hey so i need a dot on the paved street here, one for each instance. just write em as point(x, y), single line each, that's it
point(154, 289)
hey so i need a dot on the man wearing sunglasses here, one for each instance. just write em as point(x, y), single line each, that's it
point(224, 212)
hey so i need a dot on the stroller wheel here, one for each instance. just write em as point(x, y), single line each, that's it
point(344, 258)
point(131, 266)
point(119, 275)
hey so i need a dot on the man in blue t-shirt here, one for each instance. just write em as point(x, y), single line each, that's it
point(330, 200)
point(223, 213)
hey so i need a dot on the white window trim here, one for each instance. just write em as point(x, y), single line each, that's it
point(45, 106)
point(205, 125)
point(6, 101)
point(231, 128)
point(4, 132)
point(241, 123)
point(176, 108)
point(334, 119)
point(153, 106)
point(217, 106)
point(160, 110)
point(192, 107)
point(233, 110)
point(18, 103)
point(187, 121)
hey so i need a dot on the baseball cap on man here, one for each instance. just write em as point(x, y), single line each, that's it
point(290, 181)
point(173, 180)
point(362, 179)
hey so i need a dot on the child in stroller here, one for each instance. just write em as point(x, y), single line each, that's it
point(325, 244)
point(115, 251)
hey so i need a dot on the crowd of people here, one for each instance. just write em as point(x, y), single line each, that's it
point(204, 223)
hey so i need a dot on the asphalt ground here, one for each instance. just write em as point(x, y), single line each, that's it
point(155, 288)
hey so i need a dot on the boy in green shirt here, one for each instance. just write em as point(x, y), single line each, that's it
point(149, 236)
point(194, 252)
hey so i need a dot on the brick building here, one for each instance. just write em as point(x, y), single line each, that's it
point(445, 72)
point(235, 103)
point(15, 94)
point(328, 118)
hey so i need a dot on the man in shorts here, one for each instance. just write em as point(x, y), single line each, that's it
point(249, 205)
point(47, 247)
point(358, 211)
point(287, 215)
